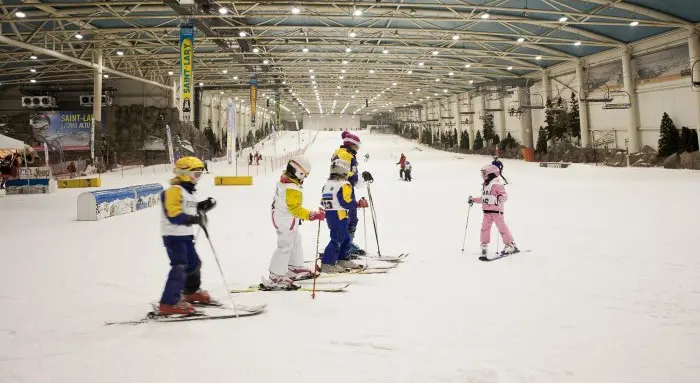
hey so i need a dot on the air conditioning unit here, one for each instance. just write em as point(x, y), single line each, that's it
point(38, 102)
point(88, 100)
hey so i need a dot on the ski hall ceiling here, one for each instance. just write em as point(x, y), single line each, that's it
point(329, 55)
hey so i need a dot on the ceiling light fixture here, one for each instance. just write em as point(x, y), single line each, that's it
point(223, 10)
point(353, 34)
point(266, 62)
point(510, 68)
point(305, 50)
point(563, 19)
point(357, 12)
point(33, 70)
point(348, 50)
point(242, 34)
point(256, 50)
point(385, 51)
point(20, 14)
point(33, 57)
point(32, 80)
point(120, 53)
point(170, 73)
point(485, 16)
point(435, 53)
point(224, 71)
point(455, 37)
point(105, 75)
point(538, 58)
point(296, 10)
point(78, 36)
point(467, 65)
point(634, 23)
point(577, 43)
point(521, 39)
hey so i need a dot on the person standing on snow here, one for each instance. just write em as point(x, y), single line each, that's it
point(402, 162)
point(337, 198)
point(407, 171)
point(287, 263)
point(492, 200)
point(180, 211)
point(348, 153)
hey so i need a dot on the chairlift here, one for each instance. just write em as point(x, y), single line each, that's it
point(624, 101)
point(485, 112)
point(531, 105)
point(515, 109)
point(695, 76)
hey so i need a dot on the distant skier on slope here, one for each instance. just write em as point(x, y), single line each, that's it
point(337, 198)
point(287, 263)
point(402, 162)
point(407, 172)
point(492, 200)
point(180, 211)
point(497, 163)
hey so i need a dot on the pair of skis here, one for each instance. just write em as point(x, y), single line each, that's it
point(501, 255)
point(205, 311)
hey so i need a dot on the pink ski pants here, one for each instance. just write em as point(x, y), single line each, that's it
point(489, 219)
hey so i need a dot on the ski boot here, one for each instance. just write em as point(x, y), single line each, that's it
point(180, 308)
point(356, 251)
point(484, 252)
point(348, 264)
point(296, 273)
point(277, 282)
point(510, 249)
point(199, 296)
point(332, 269)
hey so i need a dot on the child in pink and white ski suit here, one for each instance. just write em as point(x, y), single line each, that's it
point(492, 200)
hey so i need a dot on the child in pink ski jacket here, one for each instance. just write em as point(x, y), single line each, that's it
point(492, 200)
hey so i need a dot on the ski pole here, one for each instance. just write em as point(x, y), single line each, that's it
point(374, 219)
point(221, 271)
point(364, 230)
point(318, 239)
point(465, 228)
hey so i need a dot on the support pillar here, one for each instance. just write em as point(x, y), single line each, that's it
point(526, 137)
point(501, 119)
point(97, 106)
point(458, 119)
point(547, 90)
point(694, 50)
point(633, 112)
point(472, 130)
point(173, 95)
point(582, 107)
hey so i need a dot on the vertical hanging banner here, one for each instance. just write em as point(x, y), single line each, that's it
point(277, 109)
point(230, 131)
point(253, 97)
point(46, 154)
point(186, 71)
point(169, 139)
point(92, 141)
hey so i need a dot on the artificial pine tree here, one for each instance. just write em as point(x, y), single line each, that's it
point(685, 145)
point(668, 137)
point(478, 141)
point(488, 129)
point(694, 140)
point(541, 141)
point(464, 143)
point(574, 118)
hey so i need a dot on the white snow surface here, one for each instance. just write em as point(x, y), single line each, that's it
point(609, 293)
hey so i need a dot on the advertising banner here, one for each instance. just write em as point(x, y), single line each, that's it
point(169, 139)
point(186, 71)
point(230, 131)
point(253, 98)
point(64, 130)
point(277, 109)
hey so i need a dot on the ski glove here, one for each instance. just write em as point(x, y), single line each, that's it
point(206, 205)
point(317, 215)
point(367, 176)
point(362, 203)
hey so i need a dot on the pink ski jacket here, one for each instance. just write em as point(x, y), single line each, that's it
point(493, 197)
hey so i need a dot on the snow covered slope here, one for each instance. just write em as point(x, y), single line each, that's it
point(610, 292)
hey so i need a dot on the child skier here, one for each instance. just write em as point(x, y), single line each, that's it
point(338, 197)
point(497, 163)
point(348, 152)
point(492, 198)
point(287, 263)
point(180, 211)
point(407, 172)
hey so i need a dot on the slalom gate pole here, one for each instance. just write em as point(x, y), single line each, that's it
point(374, 219)
point(221, 271)
point(318, 239)
point(465, 228)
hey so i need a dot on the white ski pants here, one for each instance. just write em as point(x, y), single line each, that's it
point(288, 252)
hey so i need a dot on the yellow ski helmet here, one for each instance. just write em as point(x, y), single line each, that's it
point(188, 169)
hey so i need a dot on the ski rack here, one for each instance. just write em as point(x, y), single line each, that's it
point(695, 79)
point(611, 94)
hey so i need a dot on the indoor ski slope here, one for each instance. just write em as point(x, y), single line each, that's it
point(609, 293)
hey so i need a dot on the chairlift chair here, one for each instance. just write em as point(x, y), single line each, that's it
point(624, 100)
point(695, 76)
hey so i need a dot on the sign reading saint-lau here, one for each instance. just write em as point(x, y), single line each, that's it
point(186, 70)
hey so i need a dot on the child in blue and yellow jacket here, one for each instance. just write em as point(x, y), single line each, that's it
point(338, 199)
point(180, 211)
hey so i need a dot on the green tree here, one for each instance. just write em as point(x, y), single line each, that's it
point(541, 141)
point(478, 141)
point(669, 139)
point(574, 118)
point(464, 142)
point(489, 133)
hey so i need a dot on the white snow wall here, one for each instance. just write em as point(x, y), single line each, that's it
point(213, 107)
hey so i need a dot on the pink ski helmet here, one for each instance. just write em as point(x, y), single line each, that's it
point(350, 139)
point(489, 169)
